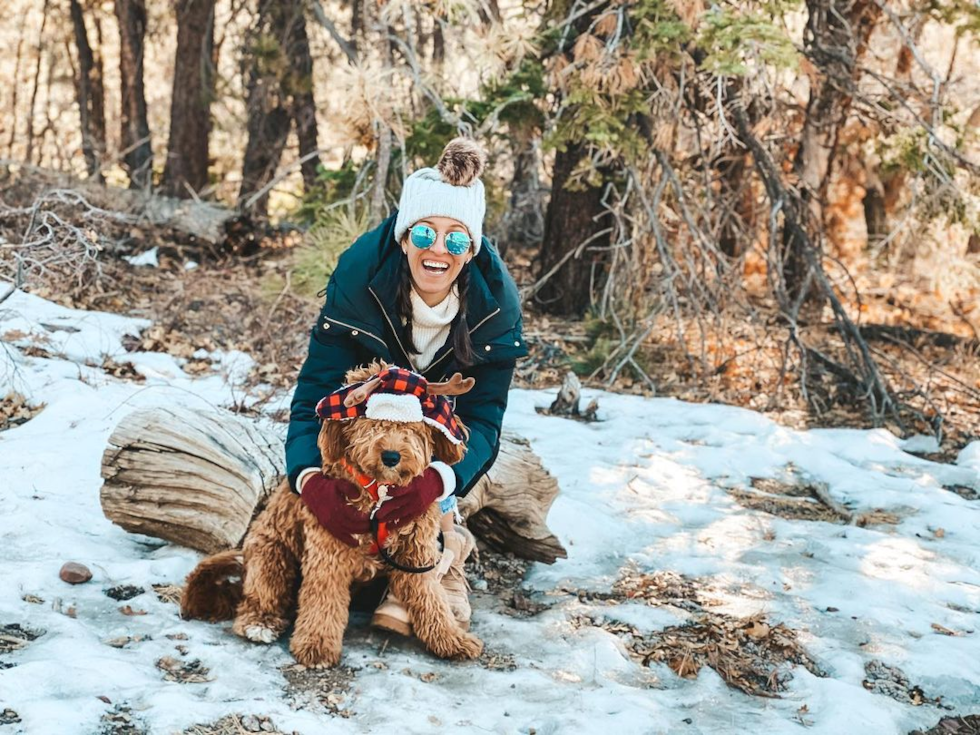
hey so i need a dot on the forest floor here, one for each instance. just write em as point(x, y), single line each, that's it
point(927, 348)
point(728, 570)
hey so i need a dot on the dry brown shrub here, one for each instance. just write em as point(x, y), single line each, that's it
point(587, 48)
point(607, 25)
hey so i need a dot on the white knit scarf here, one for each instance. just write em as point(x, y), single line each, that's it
point(431, 324)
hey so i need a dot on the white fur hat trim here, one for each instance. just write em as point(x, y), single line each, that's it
point(448, 434)
point(393, 407)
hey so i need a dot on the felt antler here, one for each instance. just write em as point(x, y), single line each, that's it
point(455, 386)
point(360, 394)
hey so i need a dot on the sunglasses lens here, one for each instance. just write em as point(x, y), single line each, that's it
point(423, 237)
point(457, 243)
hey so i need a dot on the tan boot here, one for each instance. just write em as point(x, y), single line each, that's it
point(458, 546)
point(392, 615)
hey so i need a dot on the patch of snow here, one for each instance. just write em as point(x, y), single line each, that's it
point(644, 489)
point(920, 444)
point(969, 456)
point(146, 258)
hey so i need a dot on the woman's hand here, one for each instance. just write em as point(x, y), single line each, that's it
point(407, 502)
point(327, 500)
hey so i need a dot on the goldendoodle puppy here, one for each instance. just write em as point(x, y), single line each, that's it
point(287, 547)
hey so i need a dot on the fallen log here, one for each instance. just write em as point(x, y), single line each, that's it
point(189, 476)
point(509, 505)
point(210, 225)
point(198, 477)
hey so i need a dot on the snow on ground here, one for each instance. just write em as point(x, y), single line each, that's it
point(646, 489)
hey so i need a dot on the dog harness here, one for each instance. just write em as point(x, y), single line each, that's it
point(379, 529)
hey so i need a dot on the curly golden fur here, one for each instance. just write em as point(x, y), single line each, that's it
point(286, 548)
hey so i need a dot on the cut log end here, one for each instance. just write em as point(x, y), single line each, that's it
point(493, 529)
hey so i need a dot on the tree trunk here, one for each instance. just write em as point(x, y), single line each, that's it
point(438, 47)
point(186, 170)
point(356, 24)
point(573, 217)
point(37, 80)
point(885, 188)
point(88, 88)
point(97, 89)
point(198, 478)
point(303, 106)
point(523, 223)
point(280, 88)
point(376, 28)
point(135, 135)
point(835, 39)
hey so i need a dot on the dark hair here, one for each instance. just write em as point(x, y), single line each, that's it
point(459, 335)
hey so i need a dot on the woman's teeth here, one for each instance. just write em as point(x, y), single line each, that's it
point(435, 266)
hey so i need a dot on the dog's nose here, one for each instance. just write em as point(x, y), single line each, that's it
point(390, 459)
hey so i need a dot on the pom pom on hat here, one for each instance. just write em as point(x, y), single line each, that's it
point(451, 189)
point(462, 162)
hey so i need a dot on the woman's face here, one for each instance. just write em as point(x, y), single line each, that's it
point(435, 269)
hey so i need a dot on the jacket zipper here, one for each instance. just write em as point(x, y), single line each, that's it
point(450, 350)
point(485, 319)
point(393, 330)
point(356, 329)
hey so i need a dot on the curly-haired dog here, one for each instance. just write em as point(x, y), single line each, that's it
point(286, 544)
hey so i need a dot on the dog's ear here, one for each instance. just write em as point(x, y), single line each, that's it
point(444, 449)
point(332, 443)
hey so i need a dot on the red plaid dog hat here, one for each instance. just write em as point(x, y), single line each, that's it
point(402, 395)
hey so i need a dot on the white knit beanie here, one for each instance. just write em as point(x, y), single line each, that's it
point(451, 189)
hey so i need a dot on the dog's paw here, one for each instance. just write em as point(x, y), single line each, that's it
point(258, 628)
point(313, 654)
point(260, 634)
point(470, 647)
point(461, 646)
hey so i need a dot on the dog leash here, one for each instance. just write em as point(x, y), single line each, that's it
point(390, 560)
point(379, 529)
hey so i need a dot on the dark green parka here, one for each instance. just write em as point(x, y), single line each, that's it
point(359, 322)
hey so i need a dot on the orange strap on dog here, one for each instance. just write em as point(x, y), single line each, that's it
point(380, 528)
point(371, 485)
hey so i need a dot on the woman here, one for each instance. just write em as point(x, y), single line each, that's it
point(424, 290)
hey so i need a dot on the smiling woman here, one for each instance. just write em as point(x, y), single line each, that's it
point(424, 291)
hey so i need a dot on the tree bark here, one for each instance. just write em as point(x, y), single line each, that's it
point(90, 94)
point(523, 223)
point(835, 39)
point(280, 89)
point(191, 477)
point(37, 80)
point(97, 118)
point(303, 108)
point(885, 188)
point(186, 170)
point(83, 89)
point(135, 136)
point(573, 217)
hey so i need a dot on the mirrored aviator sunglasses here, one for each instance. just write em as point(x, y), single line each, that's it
point(424, 237)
